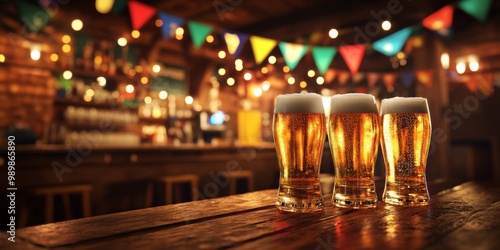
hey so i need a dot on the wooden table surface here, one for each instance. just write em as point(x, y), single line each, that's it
point(464, 217)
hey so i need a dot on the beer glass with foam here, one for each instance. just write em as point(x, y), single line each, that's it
point(353, 133)
point(299, 131)
point(406, 134)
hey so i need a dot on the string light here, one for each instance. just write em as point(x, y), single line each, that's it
point(179, 33)
point(35, 53)
point(129, 88)
point(311, 73)
point(2, 58)
point(320, 80)
point(54, 57)
point(135, 34)
point(474, 66)
point(386, 25)
point(66, 48)
point(122, 41)
point(77, 25)
point(148, 99)
point(144, 80)
point(445, 60)
point(272, 59)
point(101, 81)
point(264, 70)
point(266, 85)
point(303, 84)
point(189, 100)
point(460, 67)
point(291, 80)
point(67, 74)
point(210, 39)
point(333, 33)
point(158, 23)
point(163, 95)
point(230, 81)
point(247, 76)
point(156, 68)
point(257, 92)
point(66, 39)
point(222, 54)
point(222, 71)
point(286, 69)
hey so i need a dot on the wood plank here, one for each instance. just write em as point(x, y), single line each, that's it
point(19, 244)
point(74, 231)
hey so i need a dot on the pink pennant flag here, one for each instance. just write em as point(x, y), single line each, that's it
point(140, 14)
point(353, 55)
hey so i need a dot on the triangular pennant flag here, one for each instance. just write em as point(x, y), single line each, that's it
point(372, 79)
point(440, 19)
point(292, 53)
point(33, 16)
point(343, 77)
point(330, 75)
point(476, 8)
point(358, 77)
point(118, 6)
point(425, 77)
point(407, 79)
point(104, 6)
point(389, 80)
point(235, 42)
point(392, 44)
point(199, 32)
point(323, 56)
point(140, 14)
point(170, 24)
point(261, 47)
point(353, 55)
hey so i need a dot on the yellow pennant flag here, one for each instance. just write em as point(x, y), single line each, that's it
point(261, 47)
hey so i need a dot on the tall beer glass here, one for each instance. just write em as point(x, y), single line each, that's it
point(353, 133)
point(406, 134)
point(299, 131)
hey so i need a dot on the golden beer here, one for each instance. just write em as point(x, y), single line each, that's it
point(354, 136)
point(299, 136)
point(406, 134)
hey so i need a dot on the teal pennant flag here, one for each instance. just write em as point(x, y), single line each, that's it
point(476, 8)
point(392, 44)
point(323, 57)
point(199, 32)
point(292, 53)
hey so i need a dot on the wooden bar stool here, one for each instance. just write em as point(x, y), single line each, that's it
point(233, 176)
point(169, 182)
point(64, 191)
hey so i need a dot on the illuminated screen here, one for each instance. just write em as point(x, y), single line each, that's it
point(216, 118)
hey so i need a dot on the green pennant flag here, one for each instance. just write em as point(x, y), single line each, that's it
point(33, 16)
point(323, 56)
point(292, 53)
point(199, 32)
point(118, 6)
point(476, 8)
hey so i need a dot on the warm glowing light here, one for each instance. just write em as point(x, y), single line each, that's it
point(272, 59)
point(333, 33)
point(264, 70)
point(189, 100)
point(460, 67)
point(266, 85)
point(163, 94)
point(222, 71)
point(320, 80)
point(132, 72)
point(66, 48)
point(257, 92)
point(311, 73)
point(303, 84)
point(144, 80)
point(89, 92)
point(238, 62)
point(239, 67)
point(291, 80)
point(104, 6)
point(129, 88)
point(400, 55)
point(98, 60)
point(474, 66)
point(210, 39)
point(386, 25)
point(54, 57)
point(148, 99)
point(135, 34)
point(77, 25)
point(138, 68)
point(101, 81)
point(67, 74)
point(156, 68)
point(158, 23)
point(445, 60)
point(230, 81)
point(2, 58)
point(222, 54)
point(87, 98)
point(286, 69)
point(66, 39)
point(122, 41)
point(35, 53)
point(179, 31)
point(247, 76)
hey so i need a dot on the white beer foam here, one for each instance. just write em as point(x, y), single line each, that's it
point(353, 103)
point(404, 105)
point(304, 102)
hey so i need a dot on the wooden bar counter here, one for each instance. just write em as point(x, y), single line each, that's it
point(466, 216)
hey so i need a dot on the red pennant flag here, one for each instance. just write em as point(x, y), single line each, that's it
point(140, 14)
point(425, 77)
point(439, 20)
point(389, 80)
point(353, 55)
point(372, 79)
point(343, 77)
